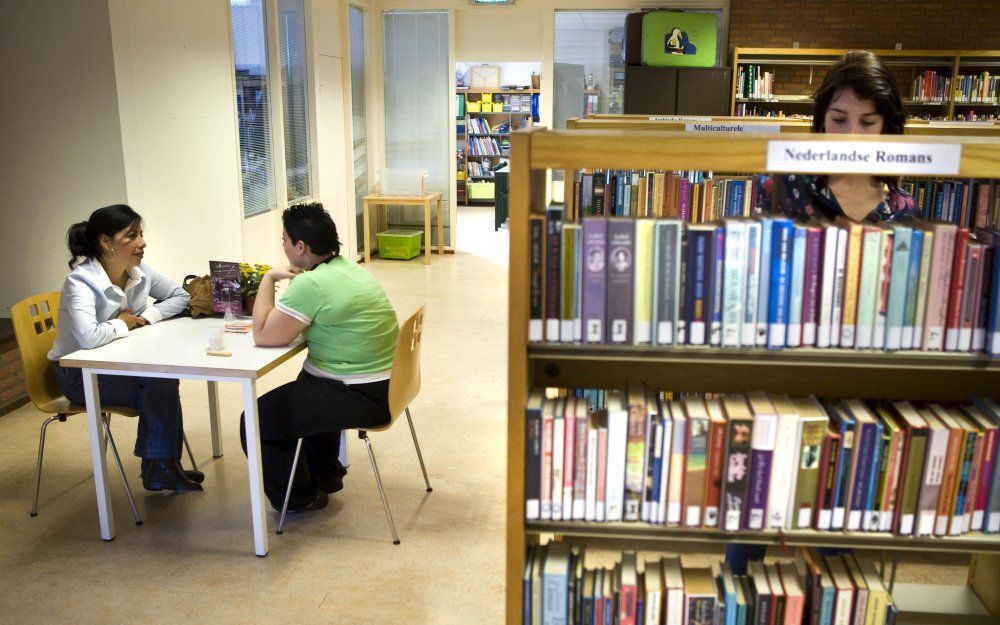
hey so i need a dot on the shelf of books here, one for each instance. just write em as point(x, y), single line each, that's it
point(687, 366)
point(490, 116)
point(935, 84)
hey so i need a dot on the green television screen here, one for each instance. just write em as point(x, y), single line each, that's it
point(676, 39)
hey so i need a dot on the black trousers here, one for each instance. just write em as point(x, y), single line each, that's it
point(315, 409)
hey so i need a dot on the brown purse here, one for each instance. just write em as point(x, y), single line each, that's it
point(200, 290)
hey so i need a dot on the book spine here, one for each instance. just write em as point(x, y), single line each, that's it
point(665, 467)
point(781, 256)
point(912, 288)
point(871, 266)
point(715, 283)
point(595, 244)
point(764, 280)
point(829, 268)
point(580, 466)
point(938, 287)
point(839, 278)
point(930, 482)
point(558, 461)
point(926, 250)
point(533, 462)
point(913, 461)
point(569, 458)
point(736, 476)
point(635, 457)
point(536, 272)
point(678, 464)
point(620, 267)
point(796, 285)
point(807, 483)
point(823, 518)
point(601, 504)
point(954, 313)
point(668, 267)
point(843, 474)
point(983, 299)
point(700, 259)
point(752, 282)
point(553, 257)
point(697, 466)
point(864, 451)
point(811, 288)
point(882, 291)
point(898, 287)
point(735, 249)
point(568, 283)
point(617, 442)
point(852, 277)
point(971, 294)
point(963, 476)
point(993, 318)
point(590, 508)
point(716, 460)
point(891, 490)
point(990, 442)
point(654, 458)
point(643, 306)
point(548, 431)
point(765, 433)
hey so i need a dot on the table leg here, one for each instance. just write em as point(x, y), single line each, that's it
point(343, 450)
point(97, 446)
point(427, 232)
point(440, 227)
point(367, 229)
point(252, 426)
point(214, 419)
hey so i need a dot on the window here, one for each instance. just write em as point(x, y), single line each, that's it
point(253, 108)
point(295, 96)
point(359, 121)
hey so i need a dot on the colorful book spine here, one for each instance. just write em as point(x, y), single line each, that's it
point(954, 310)
point(752, 282)
point(939, 280)
point(568, 283)
point(553, 258)
point(899, 286)
point(536, 278)
point(734, 289)
point(635, 453)
point(839, 285)
point(667, 276)
point(700, 260)
point(781, 258)
point(812, 285)
point(827, 279)
point(852, 278)
point(533, 456)
point(765, 432)
point(715, 281)
point(796, 283)
point(697, 459)
point(871, 266)
point(736, 473)
point(912, 287)
point(621, 250)
point(764, 295)
point(595, 245)
point(882, 291)
point(643, 305)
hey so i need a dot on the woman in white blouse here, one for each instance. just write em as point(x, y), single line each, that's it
point(104, 298)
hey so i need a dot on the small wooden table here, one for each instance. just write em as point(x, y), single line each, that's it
point(422, 199)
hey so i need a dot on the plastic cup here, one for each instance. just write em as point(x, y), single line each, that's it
point(216, 337)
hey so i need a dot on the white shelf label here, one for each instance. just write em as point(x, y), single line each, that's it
point(864, 157)
point(730, 127)
point(678, 118)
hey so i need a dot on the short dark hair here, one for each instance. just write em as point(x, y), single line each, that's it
point(84, 238)
point(863, 73)
point(310, 223)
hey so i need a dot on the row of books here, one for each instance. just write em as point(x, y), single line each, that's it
point(762, 461)
point(488, 146)
point(687, 195)
point(764, 282)
point(931, 86)
point(976, 88)
point(700, 196)
point(811, 589)
point(481, 125)
point(476, 169)
point(750, 110)
point(753, 82)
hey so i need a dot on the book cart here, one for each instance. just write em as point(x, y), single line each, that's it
point(915, 375)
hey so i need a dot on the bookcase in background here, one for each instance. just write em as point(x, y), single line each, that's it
point(838, 373)
point(677, 91)
point(773, 81)
point(490, 116)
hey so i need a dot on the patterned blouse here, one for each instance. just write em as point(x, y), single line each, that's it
point(806, 196)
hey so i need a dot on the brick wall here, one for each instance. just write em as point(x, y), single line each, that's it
point(867, 24)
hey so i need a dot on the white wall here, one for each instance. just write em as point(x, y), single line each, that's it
point(61, 155)
point(499, 33)
point(175, 91)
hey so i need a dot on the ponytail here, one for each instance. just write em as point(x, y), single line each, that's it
point(76, 239)
point(83, 239)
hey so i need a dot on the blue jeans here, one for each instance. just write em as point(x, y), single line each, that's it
point(157, 401)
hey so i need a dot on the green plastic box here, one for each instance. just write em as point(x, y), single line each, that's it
point(399, 244)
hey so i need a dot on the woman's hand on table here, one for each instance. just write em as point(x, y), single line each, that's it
point(132, 321)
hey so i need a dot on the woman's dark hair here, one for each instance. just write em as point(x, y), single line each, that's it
point(311, 224)
point(863, 73)
point(84, 238)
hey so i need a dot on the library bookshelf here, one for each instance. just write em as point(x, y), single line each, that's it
point(906, 65)
point(841, 373)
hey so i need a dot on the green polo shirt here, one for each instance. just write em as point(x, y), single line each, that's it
point(352, 326)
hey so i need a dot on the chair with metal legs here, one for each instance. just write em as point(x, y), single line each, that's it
point(404, 384)
point(35, 320)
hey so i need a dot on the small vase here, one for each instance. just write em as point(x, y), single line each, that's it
point(248, 304)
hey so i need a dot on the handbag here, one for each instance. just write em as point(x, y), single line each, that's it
point(200, 290)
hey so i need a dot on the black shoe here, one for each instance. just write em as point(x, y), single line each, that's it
point(194, 475)
point(330, 485)
point(318, 503)
point(167, 475)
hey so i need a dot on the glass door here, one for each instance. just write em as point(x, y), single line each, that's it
point(359, 119)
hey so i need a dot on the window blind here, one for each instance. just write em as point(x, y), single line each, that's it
point(359, 122)
point(295, 96)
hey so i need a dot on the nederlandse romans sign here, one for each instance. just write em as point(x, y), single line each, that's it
point(863, 157)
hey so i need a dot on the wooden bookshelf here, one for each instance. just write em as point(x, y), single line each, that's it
point(479, 187)
point(905, 64)
point(845, 373)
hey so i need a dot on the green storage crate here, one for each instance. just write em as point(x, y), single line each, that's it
point(480, 190)
point(399, 244)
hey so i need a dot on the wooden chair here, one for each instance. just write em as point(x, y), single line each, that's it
point(404, 384)
point(35, 319)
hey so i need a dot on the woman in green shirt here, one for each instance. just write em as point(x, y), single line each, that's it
point(350, 329)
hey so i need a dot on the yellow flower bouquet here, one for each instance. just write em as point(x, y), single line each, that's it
point(250, 277)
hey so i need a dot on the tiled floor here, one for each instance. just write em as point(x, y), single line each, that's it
point(191, 561)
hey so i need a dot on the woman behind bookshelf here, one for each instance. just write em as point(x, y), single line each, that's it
point(858, 96)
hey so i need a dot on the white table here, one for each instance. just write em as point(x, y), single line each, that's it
point(176, 349)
